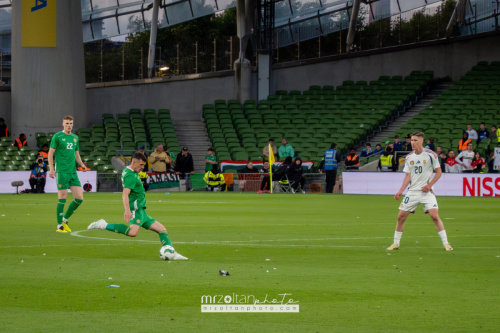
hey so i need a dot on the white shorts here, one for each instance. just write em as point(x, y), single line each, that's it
point(412, 199)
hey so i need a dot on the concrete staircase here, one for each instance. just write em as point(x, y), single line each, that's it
point(409, 114)
point(193, 134)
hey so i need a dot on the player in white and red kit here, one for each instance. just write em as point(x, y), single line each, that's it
point(419, 168)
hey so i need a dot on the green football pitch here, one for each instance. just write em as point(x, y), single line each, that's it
point(325, 252)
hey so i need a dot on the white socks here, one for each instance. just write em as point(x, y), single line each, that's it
point(443, 236)
point(397, 237)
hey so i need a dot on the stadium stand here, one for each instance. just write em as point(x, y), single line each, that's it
point(310, 120)
point(475, 98)
point(12, 159)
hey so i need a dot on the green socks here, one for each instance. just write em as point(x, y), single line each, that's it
point(60, 210)
point(71, 208)
point(164, 238)
point(119, 228)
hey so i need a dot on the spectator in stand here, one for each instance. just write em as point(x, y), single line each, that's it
point(491, 163)
point(452, 166)
point(294, 174)
point(378, 150)
point(265, 151)
point(483, 133)
point(285, 150)
point(329, 164)
point(171, 155)
point(38, 175)
point(367, 151)
point(86, 167)
point(352, 160)
point(159, 159)
point(184, 167)
point(210, 159)
point(249, 168)
point(142, 149)
point(430, 144)
point(386, 162)
point(20, 141)
point(464, 142)
point(398, 145)
point(407, 144)
point(265, 184)
point(442, 160)
point(465, 158)
point(495, 134)
point(44, 152)
point(478, 163)
point(4, 130)
point(282, 170)
point(472, 132)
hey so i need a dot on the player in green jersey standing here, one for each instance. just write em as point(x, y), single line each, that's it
point(64, 147)
point(134, 203)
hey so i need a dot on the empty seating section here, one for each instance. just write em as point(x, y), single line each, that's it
point(475, 98)
point(12, 159)
point(309, 120)
point(125, 132)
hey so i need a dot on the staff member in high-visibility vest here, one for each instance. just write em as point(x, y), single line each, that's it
point(462, 144)
point(215, 179)
point(20, 141)
point(386, 162)
point(352, 160)
point(329, 165)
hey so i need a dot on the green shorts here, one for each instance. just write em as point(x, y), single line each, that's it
point(141, 218)
point(66, 180)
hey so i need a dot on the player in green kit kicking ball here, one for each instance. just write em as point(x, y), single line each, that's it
point(65, 147)
point(134, 202)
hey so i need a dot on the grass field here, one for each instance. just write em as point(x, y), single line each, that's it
point(327, 251)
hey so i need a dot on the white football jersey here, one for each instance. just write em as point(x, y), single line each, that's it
point(421, 167)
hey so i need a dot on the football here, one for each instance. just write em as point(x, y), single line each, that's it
point(167, 252)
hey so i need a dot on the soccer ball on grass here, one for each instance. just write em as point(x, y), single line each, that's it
point(167, 252)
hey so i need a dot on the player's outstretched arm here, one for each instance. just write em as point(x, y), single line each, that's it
point(405, 184)
point(126, 205)
point(52, 173)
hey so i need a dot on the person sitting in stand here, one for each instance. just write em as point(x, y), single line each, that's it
point(478, 163)
point(38, 175)
point(352, 160)
point(407, 144)
point(483, 133)
point(378, 150)
point(4, 130)
point(285, 150)
point(265, 183)
point(20, 141)
point(86, 167)
point(452, 166)
point(430, 144)
point(159, 160)
point(282, 170)
point(462, 144)
point(294, 173)
point(210, 159)
point(367, 151)
point(442, 160)
point(472, 132)
point(386, 162)
point(465, 158)
point(44, 152)
point(249, 168)
point(215, 179)
point(398, 145)
point(142, 150)
point(265, 151)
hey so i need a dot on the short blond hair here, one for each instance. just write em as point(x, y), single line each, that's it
point(68, 118)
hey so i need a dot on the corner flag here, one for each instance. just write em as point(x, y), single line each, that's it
point(271, 161)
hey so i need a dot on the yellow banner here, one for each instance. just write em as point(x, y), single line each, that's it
point(39, 23)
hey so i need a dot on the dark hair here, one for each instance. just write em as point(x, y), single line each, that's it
point(270, 140)
point(431, 139)
point(139, 156)
point(2, 120)
point(210, 149)
point(333, 146)
point(368, 144)
point(396, 136)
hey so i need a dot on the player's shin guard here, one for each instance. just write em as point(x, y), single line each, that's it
point(119, 228)
point(60, 210)
point(72, 207)
point(164, 238)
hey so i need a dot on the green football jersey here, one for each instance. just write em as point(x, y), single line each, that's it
point(208, 166)
point(137, 196)
point(65, 145)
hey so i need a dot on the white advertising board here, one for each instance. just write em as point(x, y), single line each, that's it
point(7, 177)
point(450, 184)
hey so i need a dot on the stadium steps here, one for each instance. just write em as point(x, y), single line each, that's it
point(193, 134)
point(393, 126)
